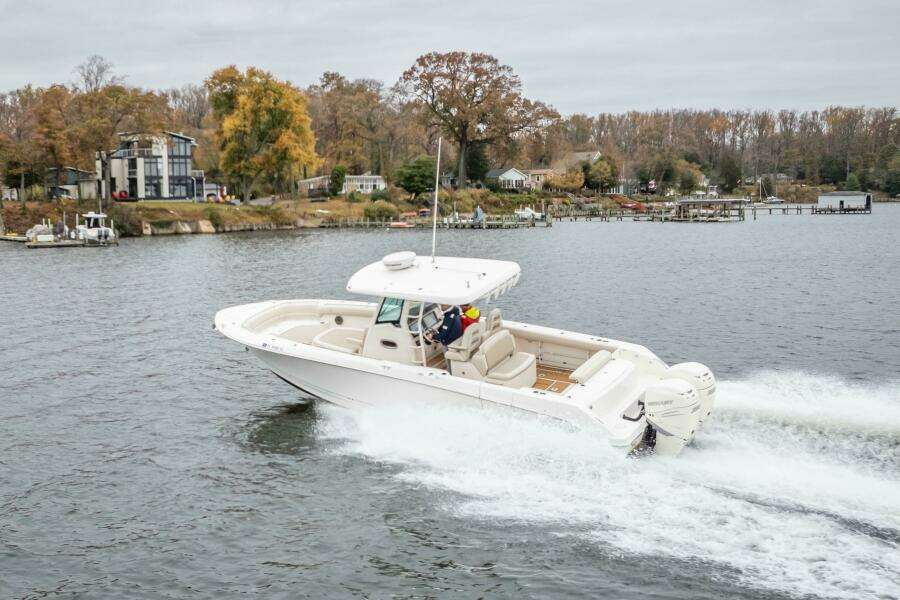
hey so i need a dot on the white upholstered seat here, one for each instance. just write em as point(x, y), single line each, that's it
point(499, 362)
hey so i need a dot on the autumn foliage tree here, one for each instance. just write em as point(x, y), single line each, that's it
point(474, 99)
point(263, 125)
point(570, 181)
point(18, 130)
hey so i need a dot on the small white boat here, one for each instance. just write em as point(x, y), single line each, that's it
point(359, 354)
point(527, 214)
point(774, 200)
point(93, 230)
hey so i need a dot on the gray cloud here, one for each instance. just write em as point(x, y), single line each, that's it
point(579, 56)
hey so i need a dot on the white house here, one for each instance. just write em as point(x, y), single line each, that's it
point(364, 184)
point(508, 179)
point(837, 201)
point(153, 167)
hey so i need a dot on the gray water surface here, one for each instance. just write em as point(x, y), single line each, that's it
point(142, 455)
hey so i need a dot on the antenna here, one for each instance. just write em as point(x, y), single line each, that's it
point(437, 180)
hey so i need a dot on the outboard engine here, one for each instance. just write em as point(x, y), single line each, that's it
point(702, 379)
point(672, 408)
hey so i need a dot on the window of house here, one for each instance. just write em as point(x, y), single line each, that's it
point(151, 167)
point(152, 188)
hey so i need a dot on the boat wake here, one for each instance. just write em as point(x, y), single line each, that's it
point(793, 486)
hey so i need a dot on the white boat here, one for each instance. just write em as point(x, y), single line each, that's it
point(774, 200)
point(362, 354)
point(93, 230)
point(527, 214)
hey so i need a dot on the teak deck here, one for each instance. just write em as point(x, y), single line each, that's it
point(437, 362)
point(552, 379)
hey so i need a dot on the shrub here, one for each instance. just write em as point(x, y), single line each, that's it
point(127, 222)
point(384, 194)
point(214, 217)
point(355, 196)
point(381, 210)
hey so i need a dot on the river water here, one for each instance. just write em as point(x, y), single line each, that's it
point(142, 455)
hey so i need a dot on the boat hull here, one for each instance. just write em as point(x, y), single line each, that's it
point(354, 388)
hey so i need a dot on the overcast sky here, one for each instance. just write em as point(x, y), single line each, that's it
point(583, 56)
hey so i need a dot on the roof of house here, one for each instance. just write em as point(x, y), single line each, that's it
point(182, 136)
point(846, 193)
point(495, 173)
point(447, 280)
point(75, 169)
point(125, 134)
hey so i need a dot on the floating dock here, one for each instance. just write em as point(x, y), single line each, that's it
point(56, 244)
point(13, 238)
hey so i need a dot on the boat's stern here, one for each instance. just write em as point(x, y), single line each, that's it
point(677, 404)
point(642, 403)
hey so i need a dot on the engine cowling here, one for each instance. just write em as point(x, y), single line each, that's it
point(702, 378)
point(672, 407)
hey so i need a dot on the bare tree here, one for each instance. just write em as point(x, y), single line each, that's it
point(96, 73)
point(191, 105)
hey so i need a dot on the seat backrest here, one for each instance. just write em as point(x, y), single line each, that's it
point(463, 347)
point(494, 351)
point(493, 322)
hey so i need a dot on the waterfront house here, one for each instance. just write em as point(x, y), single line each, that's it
point(153, 167)
point(69, 182)
point(508, 178)
point(846, 201)
point(537, 177)
point(364, 184)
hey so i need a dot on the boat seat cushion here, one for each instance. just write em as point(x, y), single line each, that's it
point(493, 322)
point(590, 366)
point(341, 339)
point(519, 370)
point(500, 363)
point(466, 345)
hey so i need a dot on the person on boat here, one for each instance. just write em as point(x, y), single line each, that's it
point(470, 314)
point(450, 328)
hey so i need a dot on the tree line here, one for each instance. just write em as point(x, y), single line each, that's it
point(257, 132)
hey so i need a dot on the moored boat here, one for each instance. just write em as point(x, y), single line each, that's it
point(94, 231)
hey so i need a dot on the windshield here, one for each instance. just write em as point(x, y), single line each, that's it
point(390, 311)
point(429, 318)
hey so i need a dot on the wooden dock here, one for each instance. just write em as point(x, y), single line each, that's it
point(496, 222)
point(56, 244)
point(712, 212)
point(13, 238)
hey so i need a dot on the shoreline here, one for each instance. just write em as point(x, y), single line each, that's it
point(173, 218)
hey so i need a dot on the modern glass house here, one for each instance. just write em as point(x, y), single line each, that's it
point(153, 167)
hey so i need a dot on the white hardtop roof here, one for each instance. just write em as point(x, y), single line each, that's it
point(91, 215)
point(447, 280)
